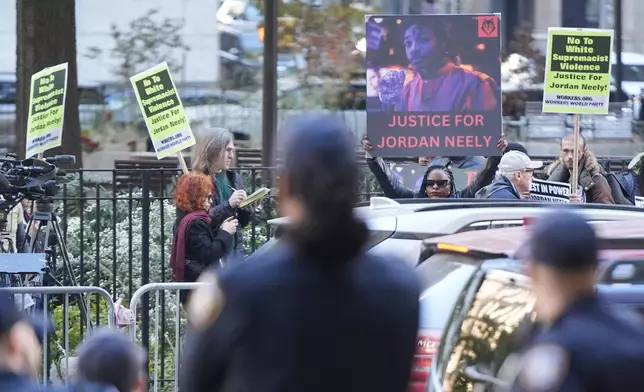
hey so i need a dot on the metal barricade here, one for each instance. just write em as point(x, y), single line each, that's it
point(160, 304)
point(26, 294)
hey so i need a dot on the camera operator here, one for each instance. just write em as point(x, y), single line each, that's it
point(195, 246)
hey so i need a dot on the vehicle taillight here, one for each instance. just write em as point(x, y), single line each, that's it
point(452, 248)
point(426, 345)
point(528, 221)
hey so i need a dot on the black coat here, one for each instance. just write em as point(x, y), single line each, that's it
point(222, 210)
point(204, 246)
point(290, 325)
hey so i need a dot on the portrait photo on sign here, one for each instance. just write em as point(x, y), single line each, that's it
point(433, 84)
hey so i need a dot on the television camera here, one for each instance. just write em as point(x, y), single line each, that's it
point(32, 179)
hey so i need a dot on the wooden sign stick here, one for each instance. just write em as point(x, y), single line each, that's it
point(182, 162)
point(574, 181)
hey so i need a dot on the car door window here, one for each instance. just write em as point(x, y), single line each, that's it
point(227, 41)
point(506, 223)
point(488, 332)
point(483, 225)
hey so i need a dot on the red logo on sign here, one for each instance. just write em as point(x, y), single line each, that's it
point(488, 26)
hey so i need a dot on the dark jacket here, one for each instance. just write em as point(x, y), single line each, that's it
point(222, 210)
point(205, 246)
point(11, 382)
point(591, 178)
point(474, 162)
point(291, 325)
point(572, 342)
point(501, 188)
point(392, 188)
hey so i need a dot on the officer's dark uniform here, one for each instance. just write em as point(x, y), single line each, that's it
point(586, 348)
point(287, 326)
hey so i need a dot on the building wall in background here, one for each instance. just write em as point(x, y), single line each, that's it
point(94, 18)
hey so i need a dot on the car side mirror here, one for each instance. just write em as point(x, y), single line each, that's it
point(234, 51)
point(475, 375)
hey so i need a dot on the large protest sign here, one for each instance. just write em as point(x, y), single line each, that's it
point(553, 191)
point(577, 78)
point(437, 83)
point(165, 119)
point(639, 201)
point(46, 110)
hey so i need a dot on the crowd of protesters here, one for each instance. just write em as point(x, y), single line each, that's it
point(510, 175)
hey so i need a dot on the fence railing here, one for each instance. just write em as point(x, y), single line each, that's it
point(166, 343)
point(163, 315)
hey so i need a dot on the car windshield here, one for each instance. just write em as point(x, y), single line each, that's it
point(437, 301)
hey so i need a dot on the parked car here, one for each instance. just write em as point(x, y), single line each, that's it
point(491, 321)
point(239, 14)
point(240, 55)
point(7, 87)
point(399, 226)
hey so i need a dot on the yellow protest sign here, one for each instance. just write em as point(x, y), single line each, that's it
point(46, 110)
point(577, 78)
point(162, 110)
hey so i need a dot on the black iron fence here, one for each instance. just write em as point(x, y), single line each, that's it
point(117, 224)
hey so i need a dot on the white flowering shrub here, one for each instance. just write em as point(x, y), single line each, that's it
point(518, 71)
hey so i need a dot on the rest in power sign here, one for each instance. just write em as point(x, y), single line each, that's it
point(577, 78)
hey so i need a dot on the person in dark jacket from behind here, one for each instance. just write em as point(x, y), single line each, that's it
point(315, 312)
point(195, 246)
point(108, 357)
point(514, 178)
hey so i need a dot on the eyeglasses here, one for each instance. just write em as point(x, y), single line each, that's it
point(439, 183)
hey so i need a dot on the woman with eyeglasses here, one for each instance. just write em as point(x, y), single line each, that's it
point(195, 246)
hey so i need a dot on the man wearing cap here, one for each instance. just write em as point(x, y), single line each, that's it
point(20, 356)
point(581, 346)
point(514, 178)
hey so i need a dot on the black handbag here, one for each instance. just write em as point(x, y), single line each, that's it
point(195, 268)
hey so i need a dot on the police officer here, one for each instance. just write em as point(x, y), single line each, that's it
point(314, 313)
point(581, 346)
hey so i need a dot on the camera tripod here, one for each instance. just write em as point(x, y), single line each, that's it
point(47, 237)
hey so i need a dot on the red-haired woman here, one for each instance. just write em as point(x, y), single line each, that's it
point(195, 246)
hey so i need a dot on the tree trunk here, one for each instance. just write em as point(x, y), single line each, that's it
point(46, 36)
